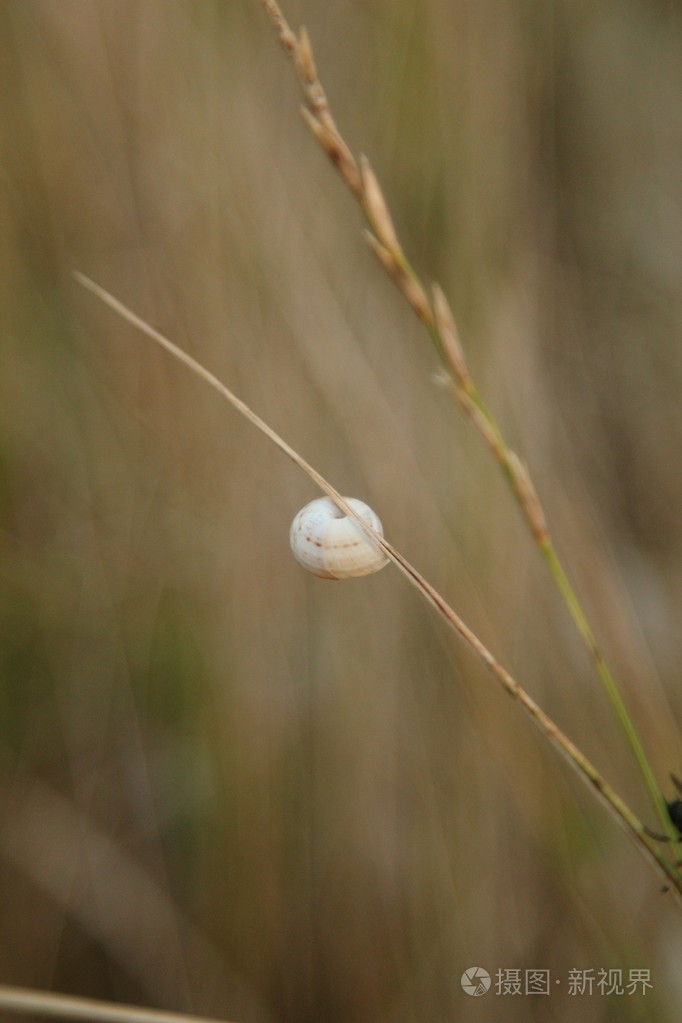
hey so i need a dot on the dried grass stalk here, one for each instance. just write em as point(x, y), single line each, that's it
point(587, 771)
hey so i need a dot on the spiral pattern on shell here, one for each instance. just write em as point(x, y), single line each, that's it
point(331, 544)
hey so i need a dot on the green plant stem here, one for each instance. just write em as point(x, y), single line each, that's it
point(365, 188)
point(560, 576)
point(612, 691)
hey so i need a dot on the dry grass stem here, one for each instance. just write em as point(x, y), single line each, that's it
point(551, 731)
point(46, 1003)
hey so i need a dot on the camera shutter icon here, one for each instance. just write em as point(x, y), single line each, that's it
point(475, 981)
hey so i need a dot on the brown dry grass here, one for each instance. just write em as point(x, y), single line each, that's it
point(289, 762)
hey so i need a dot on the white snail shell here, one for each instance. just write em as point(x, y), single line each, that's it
point(331, 544)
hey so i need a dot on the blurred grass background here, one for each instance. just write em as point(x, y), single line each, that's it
point(231, 788)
